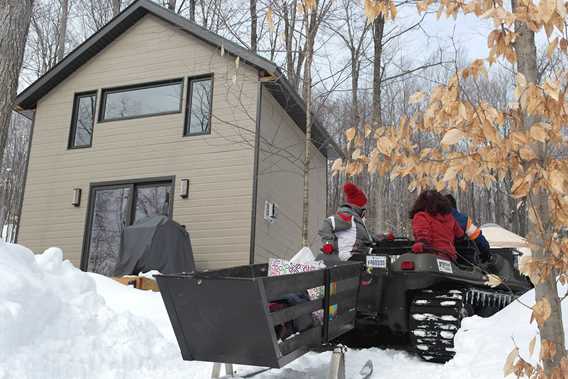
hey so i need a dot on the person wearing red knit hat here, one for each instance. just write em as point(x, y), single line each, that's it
point(345, 233)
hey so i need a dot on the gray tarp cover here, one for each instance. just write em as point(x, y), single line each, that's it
point(155, 243)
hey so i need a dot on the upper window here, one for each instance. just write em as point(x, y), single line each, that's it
point(83, 119)
point(199, 101)
point(141, 100)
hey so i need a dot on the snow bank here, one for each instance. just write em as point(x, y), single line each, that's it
point(54, 323)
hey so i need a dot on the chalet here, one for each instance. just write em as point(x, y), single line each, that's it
point(155, 115)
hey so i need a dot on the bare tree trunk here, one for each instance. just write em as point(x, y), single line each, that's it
point(499, 205)
point(311, 30)
point(15, 16)
point(116, 7)
point(253, 26)
point(62, 30)
point(172, 5)
point(377, 198)
point(289, 16)
point(192, 10)
point(472, 209)
point(552, 329)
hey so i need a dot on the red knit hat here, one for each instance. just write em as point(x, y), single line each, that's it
point(354, 195)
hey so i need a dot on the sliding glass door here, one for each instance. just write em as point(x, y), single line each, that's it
point(111, 209)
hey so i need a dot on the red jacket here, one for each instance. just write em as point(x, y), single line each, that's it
point(436, 232)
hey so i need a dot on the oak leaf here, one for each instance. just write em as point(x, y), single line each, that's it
point(519, 138)
point(531, 345)
point(538, 133)
point(541, 311)
point(350, 134)
point(309, 4)
point(547, 349)
point(452, 137)
point(510, 361)
point(356, 154)
point(385, 145)
point(416, 97)
point(552, 89)
point(336, 166)
point(520, 188)
point(557, 179)
point(551, 47)
point(493, 281)
point(270, 19)
point(450, 174)
point(527, 154)
point(521, 80)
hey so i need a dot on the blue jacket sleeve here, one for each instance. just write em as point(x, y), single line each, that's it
point(460, 218)
point(482, 243)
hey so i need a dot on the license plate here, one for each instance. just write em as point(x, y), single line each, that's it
point(376, 261)
point(445, 266)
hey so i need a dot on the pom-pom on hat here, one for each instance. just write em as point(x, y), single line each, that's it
point(354, 195)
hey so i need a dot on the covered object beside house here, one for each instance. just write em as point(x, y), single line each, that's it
point(155, 243)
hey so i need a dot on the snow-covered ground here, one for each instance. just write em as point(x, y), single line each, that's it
point(59, 322)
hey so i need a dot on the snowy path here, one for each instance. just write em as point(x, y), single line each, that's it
point(59, 322)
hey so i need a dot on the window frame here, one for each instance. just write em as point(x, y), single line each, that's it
point(138, 86)
point(73, 128)
point(188, 102)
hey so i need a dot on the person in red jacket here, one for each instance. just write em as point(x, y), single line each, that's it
point(433, 225)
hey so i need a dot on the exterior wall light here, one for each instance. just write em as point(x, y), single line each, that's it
point(76, 197)
point(184, 188)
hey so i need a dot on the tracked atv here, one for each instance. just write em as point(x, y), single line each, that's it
point(425, 297)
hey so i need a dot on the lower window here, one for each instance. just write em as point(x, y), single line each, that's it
point(111, 209)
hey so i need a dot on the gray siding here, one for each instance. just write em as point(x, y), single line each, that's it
point(280, 180)
point(220, 165)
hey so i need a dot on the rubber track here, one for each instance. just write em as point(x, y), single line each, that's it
point(435, 317)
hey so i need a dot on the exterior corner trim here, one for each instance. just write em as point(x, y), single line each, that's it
point(255, 173)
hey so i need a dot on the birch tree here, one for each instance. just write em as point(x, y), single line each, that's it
point(314, 12)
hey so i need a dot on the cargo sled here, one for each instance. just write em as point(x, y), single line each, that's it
point(224, 315)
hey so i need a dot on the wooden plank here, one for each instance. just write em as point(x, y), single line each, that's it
point(291, 313)
point(346, 298)
point(345, 271)
point(138, 282)
point(346, 285)
point(276, 286)
point(341, 324)
point(310, 337)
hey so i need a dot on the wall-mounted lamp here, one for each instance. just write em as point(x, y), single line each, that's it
point(76, 197)
point(184, 188)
